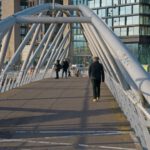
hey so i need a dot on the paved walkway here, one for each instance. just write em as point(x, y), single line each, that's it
point(59, 115)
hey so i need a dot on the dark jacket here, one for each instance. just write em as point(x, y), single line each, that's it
point(65, 65)
point(96, 71)
point(58, 66)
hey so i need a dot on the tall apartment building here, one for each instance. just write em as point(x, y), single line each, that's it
point(129, 19)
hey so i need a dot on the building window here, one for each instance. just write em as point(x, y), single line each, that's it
point(130, 31)
point(110, 12)
point(144, 30)
point(136, 30)
point(91, 4)
point(102, 12)
point(116, 21)
point(123, 1)
point(130, 1)
point(133, 31)
point(109, 22)
point(135, 9)
point(141, 20)
point(115, 2)
point(117, 31)
point(145, 1)
point(122, 21)
point(129, 20)
point(104, 3)
point(128, 10)
point(97, 3)
point(109, 2)
point(141, 8)
point(115, 11)
point(148, 31)
point(145, 20)
point(123, 31)
point(122, 10)
point(125, 10)
point(135, 19)
point(132, 20)
point(145, 9)
point(119, 21)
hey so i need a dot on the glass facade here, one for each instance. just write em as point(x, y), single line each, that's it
point(0, 9)
point(129, 19)
point(23, 27)
point(81, 51)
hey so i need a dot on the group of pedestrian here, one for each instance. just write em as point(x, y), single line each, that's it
point(96, 75)
point(64, 67)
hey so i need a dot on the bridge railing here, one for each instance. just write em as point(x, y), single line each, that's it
point(125, 77)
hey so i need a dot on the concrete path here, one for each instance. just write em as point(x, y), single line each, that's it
point(59, 115)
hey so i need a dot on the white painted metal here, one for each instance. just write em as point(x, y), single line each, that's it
point(54, 44)
point(39, 48)
point(55, 51)
point(4, 83)
point(5, 24)
point(29, 53)
point(20, 49)
point(48, 36)
point(31, 19)
point(96, 47)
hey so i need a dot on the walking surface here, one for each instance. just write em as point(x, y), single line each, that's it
point(60, 115)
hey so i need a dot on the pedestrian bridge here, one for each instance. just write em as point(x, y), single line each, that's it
point(37, 110)
point(59, 114)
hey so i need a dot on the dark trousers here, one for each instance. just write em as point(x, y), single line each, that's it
point(69, 73)
point(96, 87)
point(64, 71)
point(57, 74)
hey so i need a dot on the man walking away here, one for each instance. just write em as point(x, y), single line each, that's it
point(96, 74)
point(57, 68)
point(65, 66)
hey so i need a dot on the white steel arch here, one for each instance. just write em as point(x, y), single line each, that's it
point(125, 77)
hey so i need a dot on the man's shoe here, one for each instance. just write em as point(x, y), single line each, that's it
point(94, 100)
point(98, 99)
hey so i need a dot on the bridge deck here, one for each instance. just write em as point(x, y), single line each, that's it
point(59, 114)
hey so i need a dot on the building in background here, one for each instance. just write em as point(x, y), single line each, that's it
point(80, 48)
point(19, 31)
point(129, 19)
